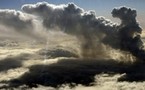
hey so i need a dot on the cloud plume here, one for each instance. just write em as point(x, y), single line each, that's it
point(73, 20)
point(91, 30)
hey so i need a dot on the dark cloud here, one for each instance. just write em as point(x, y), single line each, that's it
point(124, 13)
point(54, 15)
point(9, 63)
point(73, 20)
point(12, 62)
point(73, 72)
point(15, 19)
point(67, 71)
point(90, 30)
point(129, 32)
point(134, 73)
point(57, 52)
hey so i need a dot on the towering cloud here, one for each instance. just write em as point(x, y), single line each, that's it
point(73, 20)
point(129, 31)
point(92, 31)
point(70, 18)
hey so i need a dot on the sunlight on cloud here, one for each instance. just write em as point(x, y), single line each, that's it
point(64, 47)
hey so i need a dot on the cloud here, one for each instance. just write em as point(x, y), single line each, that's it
point(68, 71)
point(73, 20)
point(96, 36)
point(75, 71)
point(129, 31)
point(58, 52)
point(15, 19)
point(92, 31)
point(9, 63)
point(12, 62)
point(70, 18)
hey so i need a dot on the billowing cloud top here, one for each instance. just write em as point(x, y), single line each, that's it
point(70, 18)
point(73, 20)
point(15, 19)
point(88, 28)
point(124, 13)
point(127, 16)
point(85, 25)
point(44, 8)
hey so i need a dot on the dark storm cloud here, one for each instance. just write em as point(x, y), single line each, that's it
point(91, 30)
point(73, 20)
point(15, 19)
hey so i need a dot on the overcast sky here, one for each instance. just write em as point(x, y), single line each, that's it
point(102, 7)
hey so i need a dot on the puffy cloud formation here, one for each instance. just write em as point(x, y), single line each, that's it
point(15, 19)
point(92, 31)
point(70, 18)
point(20, 25)
point(124, 13)
point(73, 20)
point(129, 31)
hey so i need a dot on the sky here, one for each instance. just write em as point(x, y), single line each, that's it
point(101, 7)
